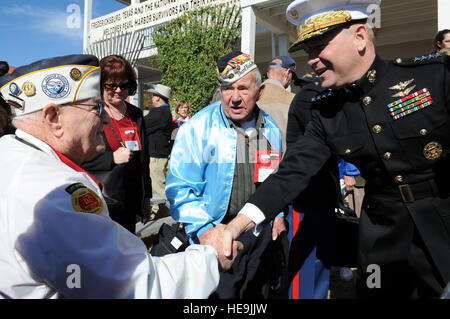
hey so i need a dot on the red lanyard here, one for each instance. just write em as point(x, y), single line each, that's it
point(266, 161)
point(125, 132)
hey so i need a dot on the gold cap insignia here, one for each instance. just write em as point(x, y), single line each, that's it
point(29, 88)
point(75, 74)
point(321, 23)
point(294, 14)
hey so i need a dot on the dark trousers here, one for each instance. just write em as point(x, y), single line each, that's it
point(416, 277)
point(254, 271)
point(409, 243)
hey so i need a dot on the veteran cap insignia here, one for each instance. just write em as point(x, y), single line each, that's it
point(29, 88)
point(56, 86)
point(75, 74)
point(14, 89)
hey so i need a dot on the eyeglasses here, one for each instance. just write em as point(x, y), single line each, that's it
point(95, 107)
point(113, 86)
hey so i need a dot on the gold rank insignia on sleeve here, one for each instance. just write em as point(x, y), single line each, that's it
point(410, 104)
point(84, 199)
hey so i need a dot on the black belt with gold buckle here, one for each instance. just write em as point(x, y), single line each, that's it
point(406, 193)
point(412, 192)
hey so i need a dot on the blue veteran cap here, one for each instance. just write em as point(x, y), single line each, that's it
point(286, 62)
point(58, 80)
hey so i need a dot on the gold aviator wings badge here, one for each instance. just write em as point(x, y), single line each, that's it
point(403, 87)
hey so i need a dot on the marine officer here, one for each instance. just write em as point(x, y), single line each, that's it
point(390, 119)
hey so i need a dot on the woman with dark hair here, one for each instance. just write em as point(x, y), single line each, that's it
point(124, 166)
point(442, 40)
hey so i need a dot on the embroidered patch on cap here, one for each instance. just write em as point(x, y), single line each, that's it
point(56, 86)
point(236, 68)
point(410, 104)
point(84, 199)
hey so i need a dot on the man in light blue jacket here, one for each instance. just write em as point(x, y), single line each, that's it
point(219, 158)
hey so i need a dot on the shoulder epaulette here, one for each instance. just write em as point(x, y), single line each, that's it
point(424, 59)
point(322, 96)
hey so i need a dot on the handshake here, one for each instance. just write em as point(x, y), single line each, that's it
point(224, 239)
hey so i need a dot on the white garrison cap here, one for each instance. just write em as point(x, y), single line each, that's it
point(316, 17)
point(57, 80)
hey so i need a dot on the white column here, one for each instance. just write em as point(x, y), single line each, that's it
point(282, 44)
point(87, 22)
point(274, 45)
point(443, 7)
point(248, 31)
point(137, 99)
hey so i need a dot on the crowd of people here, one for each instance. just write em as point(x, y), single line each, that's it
point(267, 184)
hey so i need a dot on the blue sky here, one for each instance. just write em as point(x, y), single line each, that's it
point(38, 29)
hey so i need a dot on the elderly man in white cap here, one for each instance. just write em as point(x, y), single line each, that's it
point(390, 119)
point(56, 237)
point(219, 158)
point(158, 124)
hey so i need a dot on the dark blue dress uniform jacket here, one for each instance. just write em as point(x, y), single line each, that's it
point(404, 161)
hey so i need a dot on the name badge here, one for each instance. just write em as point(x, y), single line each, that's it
point(130, 138)
point(132, 145)
point(266, 163)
